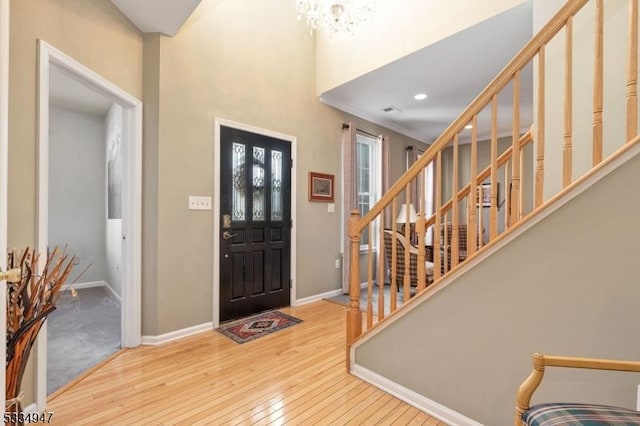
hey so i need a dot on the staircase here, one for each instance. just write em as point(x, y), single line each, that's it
point(458, 201)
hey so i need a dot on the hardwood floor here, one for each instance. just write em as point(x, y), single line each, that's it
point(295, 376)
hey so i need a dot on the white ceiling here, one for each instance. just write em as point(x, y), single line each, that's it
point(66, 92)
point(157, 16)
point(452, 72)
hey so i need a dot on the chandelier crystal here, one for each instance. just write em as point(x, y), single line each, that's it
point(336, 16)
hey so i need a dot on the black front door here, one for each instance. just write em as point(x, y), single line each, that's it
point(255, 223)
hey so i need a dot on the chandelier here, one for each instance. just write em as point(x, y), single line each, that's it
point(336, 16)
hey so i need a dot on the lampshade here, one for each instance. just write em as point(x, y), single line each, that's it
point(402, 216)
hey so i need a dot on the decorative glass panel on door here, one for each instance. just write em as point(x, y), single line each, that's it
point(276, 186)
point(258, 184)
point(239, 186)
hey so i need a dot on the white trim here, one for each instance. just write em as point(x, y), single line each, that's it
point(113, 293)
point(131, 312)
point(178, 334)
point(93, 284)
point(216, 207)
point(31, 408)
point(315, 298)
point(414, 399)
point(80, 286)
point(4, 174)
point(375, 179)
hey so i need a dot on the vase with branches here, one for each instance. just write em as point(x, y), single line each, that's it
point(29, 301)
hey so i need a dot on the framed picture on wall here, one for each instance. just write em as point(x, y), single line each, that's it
point(321, 187)
point(485, 194)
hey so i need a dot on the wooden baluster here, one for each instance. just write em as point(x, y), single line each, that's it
point(632, 72)
point(480, 217)
point(540, 130)
point(493, 209)
point(454, 207)
point(394, 255)
point(567, 169)
point(406, 289)
point(447, 242)
point(522, 212)
point(421, 229)
point(381, 276)
point(507, 195)
point(354, 316)
point(514, 217)
point(598, 84)
point(437, 244)
point(472, 206)
point(370, 278)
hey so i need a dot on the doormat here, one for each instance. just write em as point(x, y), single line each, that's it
point(247, 329)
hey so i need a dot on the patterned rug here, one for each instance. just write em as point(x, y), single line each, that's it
point(247, 329)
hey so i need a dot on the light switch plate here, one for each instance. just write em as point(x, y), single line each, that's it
point(199, 203)
point(331, 208)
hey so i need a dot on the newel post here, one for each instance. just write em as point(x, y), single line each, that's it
point(354, 317)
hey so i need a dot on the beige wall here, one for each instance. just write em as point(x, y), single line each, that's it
point(94, 33)
point(615, 53)
point(262, 75)
point(213, 68)
point(399, 28)
point(107, 43)
point(151, 118)
point(564, 287)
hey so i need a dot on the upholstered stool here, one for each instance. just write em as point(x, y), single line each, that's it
point(554, 414)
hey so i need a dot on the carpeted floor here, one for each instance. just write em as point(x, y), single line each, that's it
point(343, 299)
point(81, 333)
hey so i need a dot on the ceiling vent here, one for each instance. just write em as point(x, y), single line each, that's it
point(391, 109)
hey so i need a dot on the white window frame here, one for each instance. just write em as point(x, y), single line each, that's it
point(375, 180)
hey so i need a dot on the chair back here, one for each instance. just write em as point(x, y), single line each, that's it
point(401, 243)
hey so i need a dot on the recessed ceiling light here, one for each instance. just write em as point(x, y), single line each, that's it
point(468, 126)
point(420, 96)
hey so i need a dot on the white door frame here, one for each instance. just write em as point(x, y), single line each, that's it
point(216, 208)
point(4, 174)
point(131, 195)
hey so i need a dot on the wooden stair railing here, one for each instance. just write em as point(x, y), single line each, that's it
point(458, 195)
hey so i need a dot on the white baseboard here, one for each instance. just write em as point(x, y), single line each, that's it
point(31, 408)
point(113, 292)
point(178, 334)
point(93, 284)
point(80, 286)
point(412, 398)
point(315, 298)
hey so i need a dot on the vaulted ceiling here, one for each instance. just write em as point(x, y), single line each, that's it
point(452, 72)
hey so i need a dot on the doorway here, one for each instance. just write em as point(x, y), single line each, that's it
point(85, 219)
point(122, 239)
point(254, 221)
point(255, 209)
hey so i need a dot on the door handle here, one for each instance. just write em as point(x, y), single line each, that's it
point(226, 235)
